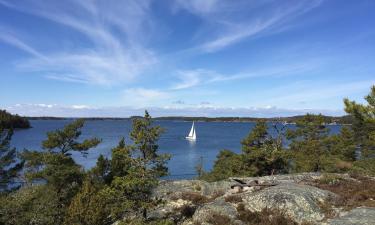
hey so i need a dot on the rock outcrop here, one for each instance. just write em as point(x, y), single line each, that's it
point(200, 202)
point(300, 202)
point(358, 216)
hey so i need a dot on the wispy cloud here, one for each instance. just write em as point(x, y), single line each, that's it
point(112, 58)
point(308, 92)
point(233, 21)
point(14, 41)
point(192, 78)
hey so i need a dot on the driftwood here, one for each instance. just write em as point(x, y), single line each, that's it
point(254, 183)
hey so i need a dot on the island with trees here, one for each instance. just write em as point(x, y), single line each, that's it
point(8, 120)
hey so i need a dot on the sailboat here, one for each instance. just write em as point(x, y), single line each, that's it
point(192, 135)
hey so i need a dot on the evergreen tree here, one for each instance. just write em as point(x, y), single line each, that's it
point(312, 147)
point(56, 168)
point(10, 165)
point(363, 123)
point(364, 132)
point(65, 141)
point(122, 185)
point(307, 143)
point(263, 153)
point(145, 137)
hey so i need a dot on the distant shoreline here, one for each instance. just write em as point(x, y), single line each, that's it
point(292, 119)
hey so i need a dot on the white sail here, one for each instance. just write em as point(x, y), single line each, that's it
point(191, 131)
point(192, 135)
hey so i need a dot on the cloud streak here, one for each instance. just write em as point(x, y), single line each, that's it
point(12, 40)
point(235, 21)
point(197, 77)
point(112, 57)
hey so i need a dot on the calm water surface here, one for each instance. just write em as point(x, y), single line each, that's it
point(211, 138)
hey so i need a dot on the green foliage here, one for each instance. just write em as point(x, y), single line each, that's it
point(8, 121)
point(343, 144)
point(122, 186)
point(91, 206)
point(145, 138)
point(311, 147)
point(65, 140)
point(55, 168)
point(10, 165)
point(227, 164)
point(363, 123)
point(364, 167)
point(257, 138)
point(31, 205)
point(262, 154)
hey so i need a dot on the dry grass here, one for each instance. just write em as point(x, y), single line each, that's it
point(218, 219)
point(353, 193)
point(327, 209)
point(195, 198)
point(264, 217)
point(216, 194)
point(233, 199)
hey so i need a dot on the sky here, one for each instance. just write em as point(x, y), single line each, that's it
point(112, 58)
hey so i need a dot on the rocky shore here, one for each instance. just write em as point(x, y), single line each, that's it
point(291, 199)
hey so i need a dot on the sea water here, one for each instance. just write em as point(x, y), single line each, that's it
point(211, 138)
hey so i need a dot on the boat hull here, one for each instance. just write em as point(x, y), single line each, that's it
point(190, 138)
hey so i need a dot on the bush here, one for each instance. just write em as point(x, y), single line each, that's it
point(364, 167)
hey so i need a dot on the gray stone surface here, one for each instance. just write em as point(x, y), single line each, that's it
point(218, 206)
point(168, 189)
point(298, 201)
point(357, 216)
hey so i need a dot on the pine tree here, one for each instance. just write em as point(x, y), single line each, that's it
point(10, 165)
point(363, 123)
point(364, 132)
point(124, 183)
point(55, 166)
point(145, 137)
point(65, 141)
point(263, 153)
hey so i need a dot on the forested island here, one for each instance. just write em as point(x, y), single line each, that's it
point(8, 120)
point(317, 178)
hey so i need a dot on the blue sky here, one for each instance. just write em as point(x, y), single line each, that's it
point(179, 57)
